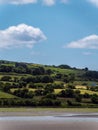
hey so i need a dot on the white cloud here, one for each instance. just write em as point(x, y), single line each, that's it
point(45, 2)
point(49, 2)
point(89, 42)
point(17, 1)
point(20, 35)
point(95, 2)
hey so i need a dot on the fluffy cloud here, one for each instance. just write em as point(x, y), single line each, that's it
point(49, 2)
point(20, 35)
point(17, 1)
point(89, 42)
point(95, 2)
point(45, 2)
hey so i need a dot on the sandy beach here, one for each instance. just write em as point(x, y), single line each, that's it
point(4, 125)
point(67, 121)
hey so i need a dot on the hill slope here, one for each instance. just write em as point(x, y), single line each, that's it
point(44, 85)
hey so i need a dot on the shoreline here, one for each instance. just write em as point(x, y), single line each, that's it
point(59, 112)
point(58, 115)
point(48, 119)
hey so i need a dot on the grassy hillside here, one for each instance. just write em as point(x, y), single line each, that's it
point(43, 85)
point(6, 95)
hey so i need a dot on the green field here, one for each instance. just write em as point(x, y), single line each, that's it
point(6, 95)
point(58, 110)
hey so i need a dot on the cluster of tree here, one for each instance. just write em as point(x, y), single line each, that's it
point(37, 79)
point(70, 93)
point(65, 77)
point(23, 93)
point(25, 69)
point(93, 88)
point(90, 76)
point(29, 102)
point(42, 85)
point(94, 98)
point(64, 66)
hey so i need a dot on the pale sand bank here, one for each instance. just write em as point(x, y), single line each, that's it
point(49, 125)
point(50, 122)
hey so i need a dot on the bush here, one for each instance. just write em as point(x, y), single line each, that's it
point(45, 102)
point(38, 92)
point(6, 78)
point(69, 102)
point(78, 98)
point(71, 86)
point(94, 98)
point(24, 93)
point(51, 96)
point(86, 95)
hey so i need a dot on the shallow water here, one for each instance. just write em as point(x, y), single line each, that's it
point(63, 122)
point(68, 118)
point(64, 117)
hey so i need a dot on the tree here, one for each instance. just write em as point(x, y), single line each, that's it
point(38, 92)
point(48, 89)
point(38, 71)
point(71, 77)
point(6, 68)
point(51, 96)
point(78, 98)
point(94, 98)
point(6, 78)
point(46, 102)
point(77, 95)
point(62, 93)
point(86, 95)
point(71, 86)
point(91, 75)
point(1, 85)
point(46, 79)
point(24, 93)
point(58, 85)
point(49, 71)
point(6, 87)
point(64, 66)
point(69, 102)
point(69, 93)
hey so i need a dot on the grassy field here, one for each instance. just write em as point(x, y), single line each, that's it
point(88, 91)
point(48, 110)
point(6, 95)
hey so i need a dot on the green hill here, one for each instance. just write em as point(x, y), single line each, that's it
point(4, 95)
point(28, 84)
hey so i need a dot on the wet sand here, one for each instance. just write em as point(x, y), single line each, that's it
point(38, 125)
point(50, 122)
point(48, 126)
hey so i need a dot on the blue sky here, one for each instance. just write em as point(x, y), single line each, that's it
point(50, 32)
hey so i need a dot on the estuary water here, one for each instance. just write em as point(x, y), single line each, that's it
point(62, 122)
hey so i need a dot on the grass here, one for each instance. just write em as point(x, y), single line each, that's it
point(6, 95)
point(58, 90)
point(81, 87)
point(57, 110)
point(88, 91)
point(83, 90)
